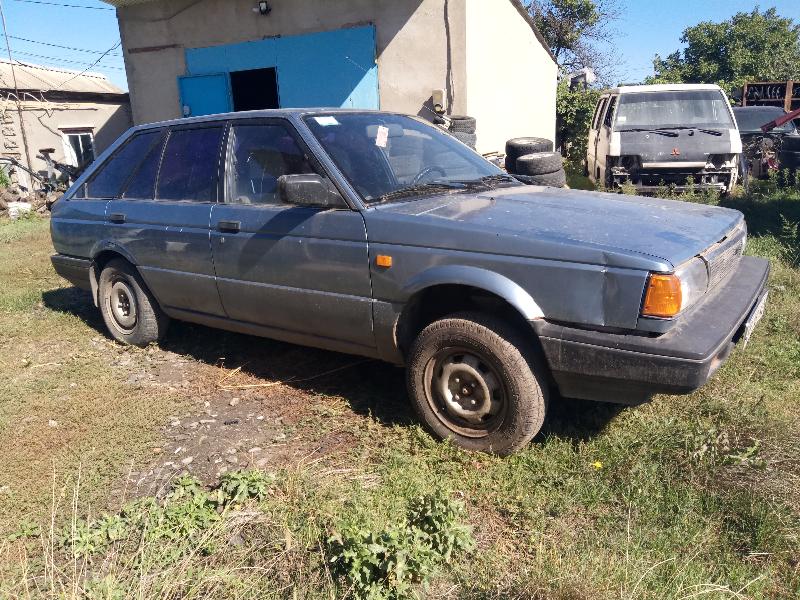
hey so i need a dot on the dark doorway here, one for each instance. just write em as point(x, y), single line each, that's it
point(256, 89)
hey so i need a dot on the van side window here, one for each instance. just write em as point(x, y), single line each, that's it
point(108, 180)
point(598, 113)
point(190, 167)
point(142, 184)
point(612, 105)
point(259, 155)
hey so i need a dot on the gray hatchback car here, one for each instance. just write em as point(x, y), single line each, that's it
point(380, 235)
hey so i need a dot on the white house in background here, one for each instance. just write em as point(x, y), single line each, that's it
point(78, 115)
point(483, 58)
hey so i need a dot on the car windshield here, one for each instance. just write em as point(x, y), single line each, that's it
point(390, 157)
point(750, 119)
point(659, 110)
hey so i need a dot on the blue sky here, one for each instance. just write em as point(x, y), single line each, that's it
point(645, 28)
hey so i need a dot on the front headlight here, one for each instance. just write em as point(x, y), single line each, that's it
point(693, 275)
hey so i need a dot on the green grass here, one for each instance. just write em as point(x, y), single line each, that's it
point(684, 497)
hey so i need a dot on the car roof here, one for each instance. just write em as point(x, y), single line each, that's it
point(254, 114)
point(664, 87)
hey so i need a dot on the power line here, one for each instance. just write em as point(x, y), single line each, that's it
point(65, 5)
point(65, 60)
point(114, 47)
point(22, 39)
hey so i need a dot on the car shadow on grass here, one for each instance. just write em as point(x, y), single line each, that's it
point(371, 387)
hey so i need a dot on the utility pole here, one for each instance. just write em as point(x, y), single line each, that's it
point(16, 92)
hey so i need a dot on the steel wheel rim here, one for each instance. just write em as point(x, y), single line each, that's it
point(466, 392)
point(122, 306)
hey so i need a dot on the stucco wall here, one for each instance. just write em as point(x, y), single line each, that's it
point(44, 124)
point(411, 44)
point(511, 78)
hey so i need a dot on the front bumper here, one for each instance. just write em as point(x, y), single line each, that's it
point(629, 369)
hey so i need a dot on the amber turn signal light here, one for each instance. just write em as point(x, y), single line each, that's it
point(382, 260)
point(663, 297)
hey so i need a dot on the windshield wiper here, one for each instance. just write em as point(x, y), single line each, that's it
point(421, 188)
point(702, 129)
point(488, 180)
point(658, 130)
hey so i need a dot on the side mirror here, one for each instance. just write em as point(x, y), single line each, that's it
point(309, 190)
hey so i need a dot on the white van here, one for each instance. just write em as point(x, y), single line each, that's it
point(678, 135)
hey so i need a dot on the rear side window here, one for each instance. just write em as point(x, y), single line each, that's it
point(107, 182)
point(190, 167)
point(610, 112)
point(142, 185)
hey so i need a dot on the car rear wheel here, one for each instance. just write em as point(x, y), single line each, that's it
point(474, 380)
point(129, 310)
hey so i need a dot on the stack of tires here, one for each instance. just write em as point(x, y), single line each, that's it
point(533, 161)
point(463, 129)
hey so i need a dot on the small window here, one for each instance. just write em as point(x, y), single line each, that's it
point(190, 167)
point(107, 182)
point(142, 185)
point(260, 154)
point(599, 113)
point(79, 148)
point(612, 105)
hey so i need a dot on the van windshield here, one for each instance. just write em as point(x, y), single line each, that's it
point(690, 108)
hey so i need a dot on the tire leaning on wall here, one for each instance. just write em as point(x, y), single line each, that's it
point(557, 179)
point(463, 123)
point(470, 139)
point(539, 163)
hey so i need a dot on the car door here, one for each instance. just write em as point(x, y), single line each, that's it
point(295, 270)
point(603, 144)
point(591, 147)
point(161, 218)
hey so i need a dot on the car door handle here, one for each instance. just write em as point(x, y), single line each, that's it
point(229, 226)
point(116, 218)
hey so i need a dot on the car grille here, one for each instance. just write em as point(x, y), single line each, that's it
point(723, 257)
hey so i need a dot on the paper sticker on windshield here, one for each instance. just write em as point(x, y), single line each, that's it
point(326, 121)
point(621, 118)
point(382, 138)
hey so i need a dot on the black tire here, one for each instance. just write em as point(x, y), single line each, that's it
point(470, 139)
point(557, 179)
point(540, 163)
point(484, 352)
point(129, 310)
point(521, 146)
point(462, 123)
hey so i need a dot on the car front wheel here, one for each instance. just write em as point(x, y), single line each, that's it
point(473, 379)
point(130, 312)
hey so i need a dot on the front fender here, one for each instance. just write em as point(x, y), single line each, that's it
point(479, 278)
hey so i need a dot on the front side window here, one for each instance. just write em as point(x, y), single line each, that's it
point(387, 157)
point(259, 155)
point(688, 108)
point(190, 167)
point(612, 105)
point(108, 180)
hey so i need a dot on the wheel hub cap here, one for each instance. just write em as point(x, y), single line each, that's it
point(469, 389)
point(123, 305)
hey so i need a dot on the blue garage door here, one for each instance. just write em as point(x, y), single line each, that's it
point(330, 69)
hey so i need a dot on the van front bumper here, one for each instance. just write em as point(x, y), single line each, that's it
point(629, 369)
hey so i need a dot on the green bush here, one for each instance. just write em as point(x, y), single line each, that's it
point(386, 564)
point(574, 110)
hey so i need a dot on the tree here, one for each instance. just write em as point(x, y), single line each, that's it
point(575, 108)
point(754, 46)
point(573, 28)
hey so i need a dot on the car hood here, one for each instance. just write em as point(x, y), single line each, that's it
point(677, 146)
point(557, 224)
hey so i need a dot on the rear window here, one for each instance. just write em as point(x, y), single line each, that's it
point(190, 167)
point(107, 182)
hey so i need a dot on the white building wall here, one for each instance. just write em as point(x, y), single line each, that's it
point(511, 78)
